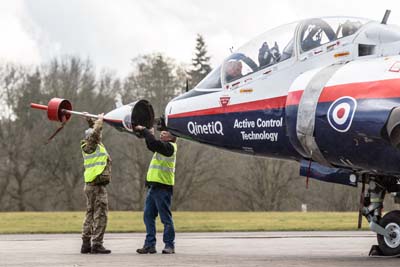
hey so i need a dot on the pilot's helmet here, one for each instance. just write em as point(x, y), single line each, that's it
point(233, 68)
point(350, 28)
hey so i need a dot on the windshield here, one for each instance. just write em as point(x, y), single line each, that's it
point(266, 50)
point(212, 80)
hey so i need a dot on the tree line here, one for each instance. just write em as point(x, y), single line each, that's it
point(39, 177)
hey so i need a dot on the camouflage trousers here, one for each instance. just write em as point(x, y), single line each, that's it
point(95, 222)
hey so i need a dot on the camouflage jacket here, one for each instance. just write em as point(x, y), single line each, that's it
point(90, 145)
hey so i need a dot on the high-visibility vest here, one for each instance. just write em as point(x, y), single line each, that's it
point(162, 168)
point(94, 163)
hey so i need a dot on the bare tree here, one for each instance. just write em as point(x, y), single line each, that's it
point(156, 78)
point(13, 139)
point(130, 164)
point(194, 169)
point(330, 197)
point(262, 184)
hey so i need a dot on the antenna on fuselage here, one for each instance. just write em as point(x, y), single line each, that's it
point(386, 16)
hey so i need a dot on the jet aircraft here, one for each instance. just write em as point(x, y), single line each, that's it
point(322, 91)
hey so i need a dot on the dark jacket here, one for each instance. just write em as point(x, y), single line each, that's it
point(164, 148)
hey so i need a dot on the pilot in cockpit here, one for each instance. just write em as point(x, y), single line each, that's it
point(349, 28)
point(268, 56)
point(233, 70)
point(264, 55)
point(315, 33)
point(312, 38)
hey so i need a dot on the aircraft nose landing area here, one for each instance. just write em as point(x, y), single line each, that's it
point(199, 249)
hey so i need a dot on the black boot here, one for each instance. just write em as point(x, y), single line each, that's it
point(146, 250)
point(168, 250)
point(86, 248)
point(99, 249)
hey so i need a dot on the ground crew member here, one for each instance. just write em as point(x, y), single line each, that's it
point(159, 181)
point(97, 175)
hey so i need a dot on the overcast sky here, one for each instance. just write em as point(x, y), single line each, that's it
point(113, 32)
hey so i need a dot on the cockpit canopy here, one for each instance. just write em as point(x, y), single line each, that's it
point(316, 32)
point(265, 50)
point(278, 45)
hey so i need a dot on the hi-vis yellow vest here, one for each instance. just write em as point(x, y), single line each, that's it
point(162, 168)
point(94, 163)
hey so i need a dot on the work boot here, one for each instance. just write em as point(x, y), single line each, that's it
point(168, 250)
point(99, 249)
point(86, 248)
point(146, 250)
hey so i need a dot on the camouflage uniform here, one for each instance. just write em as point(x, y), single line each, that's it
point(95, 222)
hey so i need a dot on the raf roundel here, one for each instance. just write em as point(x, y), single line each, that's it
point(341, 113)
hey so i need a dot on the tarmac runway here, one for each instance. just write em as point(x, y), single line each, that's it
point(200, 249)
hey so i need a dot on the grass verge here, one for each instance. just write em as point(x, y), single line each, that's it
point(127, 221)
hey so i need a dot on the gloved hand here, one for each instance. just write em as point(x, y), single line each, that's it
point(89, 120)
point(138, 130)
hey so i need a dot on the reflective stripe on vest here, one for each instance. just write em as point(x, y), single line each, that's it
point(162, 168)
point(94, 163)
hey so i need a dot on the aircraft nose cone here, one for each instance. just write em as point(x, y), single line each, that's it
point(168, 111)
